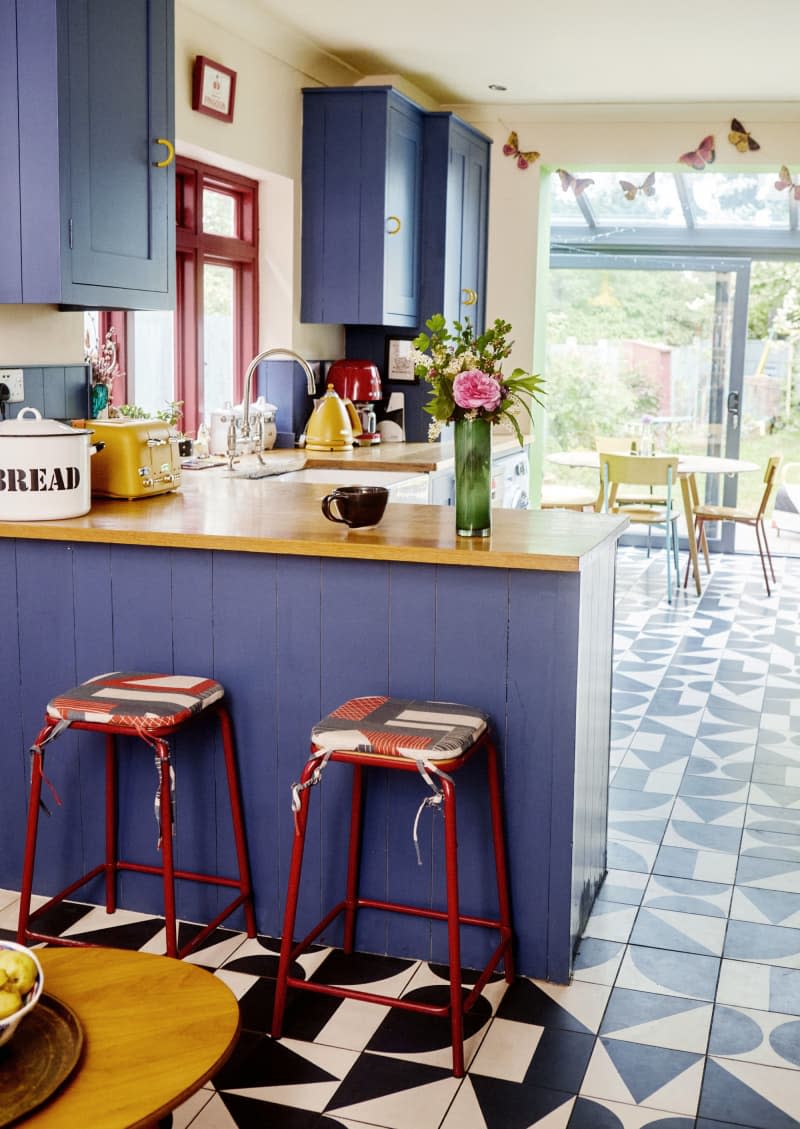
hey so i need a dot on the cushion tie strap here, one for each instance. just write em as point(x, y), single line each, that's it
point(158, 761)
point(435, 801)
point(37, 749)
point(320, 759)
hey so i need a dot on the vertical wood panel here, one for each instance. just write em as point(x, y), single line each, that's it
point(45, 601)
point(243, 618)
point(471, 658)
point(412, 632)
point(299, 706)
point(14, 740)
point(355, 663)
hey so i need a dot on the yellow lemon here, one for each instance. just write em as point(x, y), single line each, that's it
point(10, 1002)
point(19, 969)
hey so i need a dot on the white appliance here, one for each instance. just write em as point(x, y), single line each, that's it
point(510, 489)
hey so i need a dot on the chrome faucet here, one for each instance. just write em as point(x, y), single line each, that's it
point(278, 351)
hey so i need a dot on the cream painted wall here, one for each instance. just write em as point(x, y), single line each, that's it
point(40, 335)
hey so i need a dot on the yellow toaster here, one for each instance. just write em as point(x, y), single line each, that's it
point(140, 458)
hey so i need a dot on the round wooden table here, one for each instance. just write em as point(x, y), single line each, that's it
point(155, 1029)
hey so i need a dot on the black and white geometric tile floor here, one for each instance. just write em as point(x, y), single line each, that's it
point(684, 1011)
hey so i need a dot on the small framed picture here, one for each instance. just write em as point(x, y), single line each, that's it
point(399, 364)
point(213, 89)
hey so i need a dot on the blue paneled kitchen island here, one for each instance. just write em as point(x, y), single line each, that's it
point(245, 581)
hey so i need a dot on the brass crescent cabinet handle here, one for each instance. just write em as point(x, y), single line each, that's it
point(470, 297)
point(170, 157)
point(395, 221)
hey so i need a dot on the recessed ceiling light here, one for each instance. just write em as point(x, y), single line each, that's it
point(497, 86)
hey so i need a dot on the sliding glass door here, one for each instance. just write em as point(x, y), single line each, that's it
point(647, 345)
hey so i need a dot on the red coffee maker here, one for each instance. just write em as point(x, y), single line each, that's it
point(360, 382)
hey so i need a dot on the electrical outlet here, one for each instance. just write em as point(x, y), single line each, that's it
point(12, 378)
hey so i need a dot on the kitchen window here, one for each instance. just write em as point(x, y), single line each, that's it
point(198, 353)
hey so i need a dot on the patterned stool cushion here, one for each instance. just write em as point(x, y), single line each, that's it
point(139, 701)
point(400, 727)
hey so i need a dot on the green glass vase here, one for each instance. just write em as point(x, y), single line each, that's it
point(473, 452)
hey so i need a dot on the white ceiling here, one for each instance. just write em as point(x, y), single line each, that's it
point(563, 51)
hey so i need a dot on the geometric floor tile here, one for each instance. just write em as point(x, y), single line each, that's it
point(703, 866)
point(746, 1093)
point(597, 961)
point(610, 921)
point(762, 987)
point(638, 1074)
point(591, 1113)
point(685, 932)
point(488, 1104)
point(578, 1006)
point(756, 1036)
point(669, 973)
point(770, 907)
point(763, 944)
point(658, 1020)
point(688, 895)
point(768, 874)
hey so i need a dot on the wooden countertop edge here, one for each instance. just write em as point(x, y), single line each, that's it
point(353, 545)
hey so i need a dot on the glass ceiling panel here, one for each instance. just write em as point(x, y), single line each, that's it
point(654, 199)
point(735, 199)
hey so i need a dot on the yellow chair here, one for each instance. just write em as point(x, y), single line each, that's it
point(628, 445)
point(644, 470)
point(703, 513)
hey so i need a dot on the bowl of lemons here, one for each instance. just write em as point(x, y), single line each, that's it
point(21, 984)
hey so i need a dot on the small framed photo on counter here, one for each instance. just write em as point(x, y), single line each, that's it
point(399, 364)
point(213, 89)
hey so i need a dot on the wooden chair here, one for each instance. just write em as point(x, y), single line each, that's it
point(754, 518)
point(644, 470)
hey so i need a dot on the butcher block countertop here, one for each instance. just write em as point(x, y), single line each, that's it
point(416, 458)
point(214, 510)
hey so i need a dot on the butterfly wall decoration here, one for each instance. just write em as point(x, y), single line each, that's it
point(701, 156)
point(785, 181)
point(524, 157)
point(741, 138)
point(647, 187)
point(577, 184)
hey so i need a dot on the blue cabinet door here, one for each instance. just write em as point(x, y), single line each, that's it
point(94, 89)
point(362, 176)
point(120, 206)
point(455, 219)
point(10, 244)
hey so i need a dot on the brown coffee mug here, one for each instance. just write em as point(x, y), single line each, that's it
point(356, 506)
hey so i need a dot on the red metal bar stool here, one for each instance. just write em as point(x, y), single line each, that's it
point(432, 738)
point(150, 707)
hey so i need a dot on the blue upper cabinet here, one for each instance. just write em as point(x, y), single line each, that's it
point(362, 186)
point(94, 90)
point(455, 219)
point(10, 260)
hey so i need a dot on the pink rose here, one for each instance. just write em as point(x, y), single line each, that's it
point(476, 389)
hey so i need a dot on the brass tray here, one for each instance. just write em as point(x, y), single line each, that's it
point(43, 1053)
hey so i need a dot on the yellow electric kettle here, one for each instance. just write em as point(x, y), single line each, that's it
point(332, 424)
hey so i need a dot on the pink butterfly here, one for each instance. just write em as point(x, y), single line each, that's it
point(525, 157)
point(577, 185)
point(647, 187)
point(701, 156)
point(785, 181)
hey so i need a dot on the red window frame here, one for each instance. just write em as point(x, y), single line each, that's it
point(194, 248)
